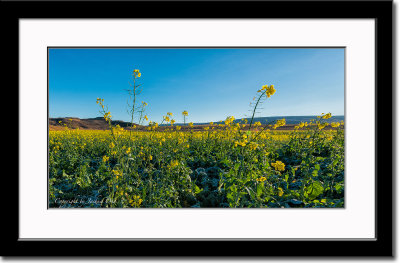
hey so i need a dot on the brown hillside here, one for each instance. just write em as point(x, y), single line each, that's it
point(83, 124)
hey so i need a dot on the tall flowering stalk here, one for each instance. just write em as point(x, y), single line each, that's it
point(184, 113)
point(106, 115)
point(266, 91)
point(133, 92)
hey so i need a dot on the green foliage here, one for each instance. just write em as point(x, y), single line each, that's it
point(198, 169)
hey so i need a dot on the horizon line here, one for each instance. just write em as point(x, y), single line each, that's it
point(276, 116)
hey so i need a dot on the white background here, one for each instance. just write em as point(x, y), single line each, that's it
point(357, 220)
point(276, 260)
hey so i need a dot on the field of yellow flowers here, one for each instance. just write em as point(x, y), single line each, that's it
point(225, 167)
point(230, 164)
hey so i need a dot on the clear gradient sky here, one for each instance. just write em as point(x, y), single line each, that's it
point(210, 84)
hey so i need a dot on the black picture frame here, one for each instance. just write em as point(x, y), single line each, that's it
point(381, 11)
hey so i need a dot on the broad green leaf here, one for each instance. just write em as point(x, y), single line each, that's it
point(314, 190)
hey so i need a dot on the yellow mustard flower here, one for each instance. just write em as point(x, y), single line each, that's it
point(173, 164)
point(326, 116)
point(278, 165)
point(261, 179)
point(128, 150)
point(280, 191)
point(137, 73)
point(322, 125)
point(270, 91)
point(279, 123)
point(335, 124)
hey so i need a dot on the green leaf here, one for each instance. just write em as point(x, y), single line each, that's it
point(250, 192)
point(316, 169)
point(339, 188)
point(314, 190)
point(259, 190)
point(197, 189)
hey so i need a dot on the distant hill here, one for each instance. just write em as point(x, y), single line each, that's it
point(84, 124)
point(270, 120)
point(100, 124)
point(291, 119)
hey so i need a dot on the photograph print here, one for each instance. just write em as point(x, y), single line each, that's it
point(196, 127)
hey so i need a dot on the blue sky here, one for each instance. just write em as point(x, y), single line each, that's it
point(210, 84)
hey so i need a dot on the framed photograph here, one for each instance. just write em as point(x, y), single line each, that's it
point(195, 130)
